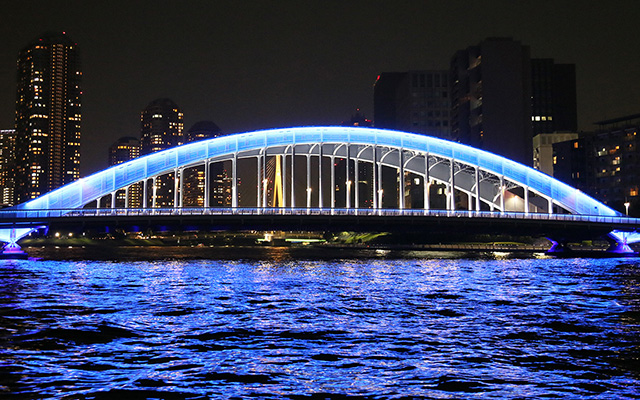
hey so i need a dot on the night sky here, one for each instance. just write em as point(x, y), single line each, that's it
point(249, 65)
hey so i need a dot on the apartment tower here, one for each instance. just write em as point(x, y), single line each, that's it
point(48, 115)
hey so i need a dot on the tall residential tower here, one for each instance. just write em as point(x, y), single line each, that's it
point(161, 127)
point(48, 115)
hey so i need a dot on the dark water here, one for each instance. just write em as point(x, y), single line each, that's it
point(276, 325)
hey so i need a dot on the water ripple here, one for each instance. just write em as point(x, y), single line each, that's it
point(307, 329)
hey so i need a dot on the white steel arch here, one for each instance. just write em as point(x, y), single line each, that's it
point(482, 176)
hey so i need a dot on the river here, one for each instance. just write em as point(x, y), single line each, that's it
point(276, 323)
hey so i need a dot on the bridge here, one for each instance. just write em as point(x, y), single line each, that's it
point(325, 178)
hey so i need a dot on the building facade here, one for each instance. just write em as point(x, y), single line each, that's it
point(413, 101)
point(194, 178)
point(543, 149)
point(605, 164)
point(7, 167)
point(125, 149)
point(161, 125)
point(48, 115)
point(553, 97)
point(491, 98)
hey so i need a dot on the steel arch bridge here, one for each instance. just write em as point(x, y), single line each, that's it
point(326, 168)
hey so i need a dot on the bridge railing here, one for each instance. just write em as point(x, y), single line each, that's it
point(8, 216)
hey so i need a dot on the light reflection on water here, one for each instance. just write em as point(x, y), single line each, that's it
point(272, 323)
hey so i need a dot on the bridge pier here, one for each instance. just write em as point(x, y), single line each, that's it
point(619, 242)
point(557, 247)
point(11, 235)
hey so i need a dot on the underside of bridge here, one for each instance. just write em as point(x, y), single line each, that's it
point(330, 168)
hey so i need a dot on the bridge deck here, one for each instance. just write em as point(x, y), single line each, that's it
point(427, 223)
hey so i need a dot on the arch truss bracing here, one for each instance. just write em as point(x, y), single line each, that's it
point(324, 167)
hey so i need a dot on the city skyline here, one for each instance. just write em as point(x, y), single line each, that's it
point(262, 65)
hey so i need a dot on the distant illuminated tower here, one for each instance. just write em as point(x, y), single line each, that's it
point(7, 166)
point(194, 178)
point(125, 149)
point(202, 130)
point(162, 122)
point(48, 115)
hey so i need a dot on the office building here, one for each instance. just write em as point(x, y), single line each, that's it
point(413, 101)
point(491, 98)
point(48, 115)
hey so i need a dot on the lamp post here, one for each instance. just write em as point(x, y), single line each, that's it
point(348, 194)
point(308, 197)
point(626, 208)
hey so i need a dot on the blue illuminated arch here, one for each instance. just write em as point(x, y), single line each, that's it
point(88, 189)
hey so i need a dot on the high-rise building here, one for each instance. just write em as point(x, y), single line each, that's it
point(491, 98)
point(161, 125)
point(161, 128)
point(384, 99)
point(125, 149)
point(48, 115)
point(194, 178)
point(414, 101)
point(202, 130)
point(7, 167)
point(553, 97)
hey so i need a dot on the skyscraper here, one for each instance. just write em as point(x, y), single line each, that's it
point(161, 128)
point(161, 125)
point(48, 115)
point(7, 166)
point(491, 98)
